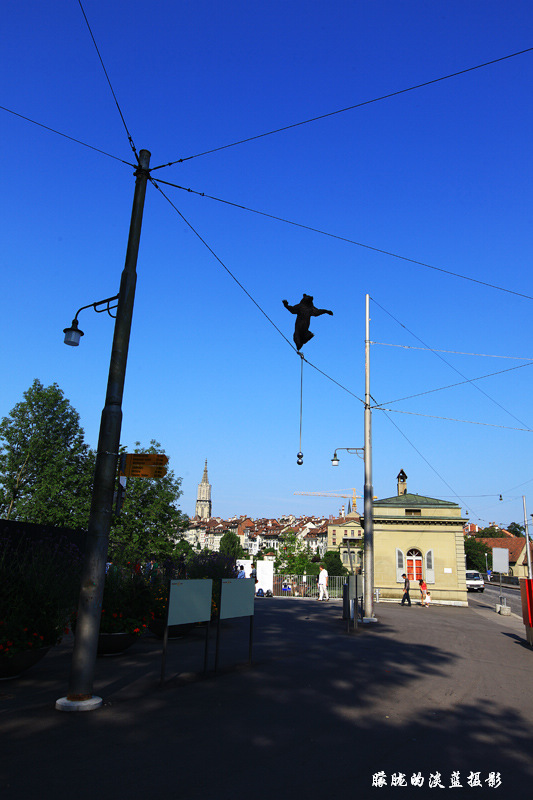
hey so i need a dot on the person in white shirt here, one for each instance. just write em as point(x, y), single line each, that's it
point(428, 599)
point(323, 584)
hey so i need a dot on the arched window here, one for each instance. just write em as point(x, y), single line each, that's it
point(414, 564)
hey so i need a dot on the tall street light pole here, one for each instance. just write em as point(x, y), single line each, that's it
point(528, 548)
point(80, 690)
point(368, 512)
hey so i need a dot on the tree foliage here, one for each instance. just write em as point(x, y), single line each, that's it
point(230, 545)
point(150, 524)
point(492, 532)
point(332, 562)
point(46, 469)
point(293, 556)
point(475, 552)
point(516, 529)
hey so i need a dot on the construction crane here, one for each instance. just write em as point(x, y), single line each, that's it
point(353, 496)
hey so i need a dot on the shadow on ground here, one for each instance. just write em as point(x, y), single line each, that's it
point(319, 712)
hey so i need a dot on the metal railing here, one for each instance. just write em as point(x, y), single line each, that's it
point(306, 586)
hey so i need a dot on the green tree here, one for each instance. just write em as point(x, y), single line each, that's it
point(183, 548)
point(230, 545)
point(292, 556)
point(475, 552)
point(150, 523)
point(490, 533)
point(516, 529)
point(46, 469)
point(332, 562)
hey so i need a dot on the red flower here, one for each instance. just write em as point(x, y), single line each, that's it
point(115, 615)
point(136, 630)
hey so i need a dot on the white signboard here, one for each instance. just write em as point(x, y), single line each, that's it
point(500, 559)
point(190, 601)
point(237, 598)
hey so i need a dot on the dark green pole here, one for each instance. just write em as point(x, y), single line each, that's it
point(80, 688)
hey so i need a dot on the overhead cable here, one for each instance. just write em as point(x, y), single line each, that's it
point(247, 293)
point(428, 463)
point(132, 145)
point(348, 108)
point(479, 389)
point(349, 241)
point(452, 419)
point(461, 383)
point(66, 136)
point(452, 352)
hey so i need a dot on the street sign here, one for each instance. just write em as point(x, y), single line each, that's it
point(144, 465)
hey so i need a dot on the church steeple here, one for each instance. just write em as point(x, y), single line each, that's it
point(203, 498)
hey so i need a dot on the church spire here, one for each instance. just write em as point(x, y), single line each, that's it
point(203, 498)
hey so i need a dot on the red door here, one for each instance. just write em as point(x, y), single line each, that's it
point(414, 568)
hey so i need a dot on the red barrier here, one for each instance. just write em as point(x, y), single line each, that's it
point(526, 592)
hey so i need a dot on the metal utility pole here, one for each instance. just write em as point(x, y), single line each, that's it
point(80, 691)
point(528, 548)
point(369, 489)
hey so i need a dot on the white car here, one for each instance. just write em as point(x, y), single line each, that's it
point(474, 581)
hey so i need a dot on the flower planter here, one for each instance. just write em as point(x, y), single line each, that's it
point(157, 626)
point(113, 644)
point(15, 665)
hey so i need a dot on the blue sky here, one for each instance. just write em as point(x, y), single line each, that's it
point(440, 175)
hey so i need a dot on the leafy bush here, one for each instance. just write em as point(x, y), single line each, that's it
point(127, 602)
point(39, 590)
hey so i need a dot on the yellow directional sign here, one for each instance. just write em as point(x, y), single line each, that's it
point(144, 465)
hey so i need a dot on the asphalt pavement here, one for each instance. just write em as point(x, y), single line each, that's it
point(443, 694)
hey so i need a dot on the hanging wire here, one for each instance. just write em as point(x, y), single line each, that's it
point(247, 293)
point(66, 136)
point(300, 456)
point(479, 389)
point(461, 383)
point(466, 505)
point(452, 419)
point(451, 352)
point(132, 145)
point(349, 241)
point(348, 108)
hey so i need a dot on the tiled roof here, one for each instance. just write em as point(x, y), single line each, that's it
point(515, 546)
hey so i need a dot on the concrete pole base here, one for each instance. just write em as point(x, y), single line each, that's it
point(64, 704)
point(370, 619)
point(529, 635)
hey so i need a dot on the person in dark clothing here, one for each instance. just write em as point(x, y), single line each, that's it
point(406, 587)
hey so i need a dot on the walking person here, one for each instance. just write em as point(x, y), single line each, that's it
point(323, 584)
point(406, 587)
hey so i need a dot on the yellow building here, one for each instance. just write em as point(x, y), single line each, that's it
point(345, 531)
point(422, 537)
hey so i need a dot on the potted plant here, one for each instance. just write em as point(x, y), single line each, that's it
point(126, 609)
point(39, 582)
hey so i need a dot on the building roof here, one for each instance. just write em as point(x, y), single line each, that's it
point(515, 546)
point(413, 500)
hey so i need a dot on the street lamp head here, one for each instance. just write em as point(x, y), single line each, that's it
point(335, 460)
point(299, 459)
point(73, 334)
